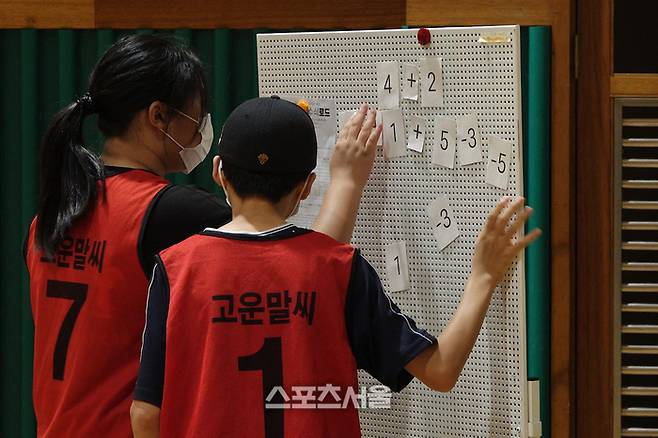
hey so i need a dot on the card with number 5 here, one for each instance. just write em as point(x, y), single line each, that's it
point(500, 153)
point(445, 142)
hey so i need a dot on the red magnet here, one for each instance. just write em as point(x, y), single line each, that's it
point(424, 36)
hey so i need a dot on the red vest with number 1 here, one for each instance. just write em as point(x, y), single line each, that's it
point(256, 319)
point(88, 307)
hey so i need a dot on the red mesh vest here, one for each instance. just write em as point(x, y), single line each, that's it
point(246, 317)
point(88, 307)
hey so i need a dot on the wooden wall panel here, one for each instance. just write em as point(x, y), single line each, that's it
point(563, 214)
point(46, 13)
point(289, 14)
point(594, 391)
point(560, 15)
point(634, 85)
point(479, 12)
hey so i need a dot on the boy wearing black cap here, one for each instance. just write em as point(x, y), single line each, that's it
point(230, 348)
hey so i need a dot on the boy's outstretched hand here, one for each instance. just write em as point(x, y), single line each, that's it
point(496, 249)
point(350, 167)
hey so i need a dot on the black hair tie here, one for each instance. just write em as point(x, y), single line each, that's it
point(87, 103)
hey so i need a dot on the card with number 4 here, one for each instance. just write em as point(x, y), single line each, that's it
point(443, 222)
point(397, 266)
point(388, 85)
point(500, 153)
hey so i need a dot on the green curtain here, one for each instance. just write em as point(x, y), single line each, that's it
point(41, 71)
point(536, 90)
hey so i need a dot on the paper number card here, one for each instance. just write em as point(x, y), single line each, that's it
point(388, 85)
point(397, 266)
point(469, 142)
point(431, 74)
point(443, 223)
point(500, 152)
point(445, 142)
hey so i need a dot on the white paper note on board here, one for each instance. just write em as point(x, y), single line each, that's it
point(431, 85)
point(445, 142)
point(417, 126)
point(469, 143)
point(388, 85)
point(443, 222)
point(343, 118)
point(500, 153)
point(410, 80)
point(397, 266)
point(395, 141)
point(323, 114)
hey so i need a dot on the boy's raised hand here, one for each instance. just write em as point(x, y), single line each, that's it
point(356, 148)
point(496, 249)
point(350, 167)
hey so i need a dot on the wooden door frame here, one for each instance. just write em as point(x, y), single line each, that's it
point(594, 222)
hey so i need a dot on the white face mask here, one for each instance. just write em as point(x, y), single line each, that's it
point(299, 201)
point(193, 156)
point(223, 187)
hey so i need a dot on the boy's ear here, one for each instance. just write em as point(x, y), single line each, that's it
point(157, 114)
point(309, 183)
point(215, 170)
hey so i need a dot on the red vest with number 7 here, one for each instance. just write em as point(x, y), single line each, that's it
point(88, 307)
point(256, 342)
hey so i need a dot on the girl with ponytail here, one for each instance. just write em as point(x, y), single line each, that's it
point(101, 220)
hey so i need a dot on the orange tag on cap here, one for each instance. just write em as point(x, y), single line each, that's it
point(304, 105)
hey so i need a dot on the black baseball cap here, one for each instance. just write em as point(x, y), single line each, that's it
point(269, 135)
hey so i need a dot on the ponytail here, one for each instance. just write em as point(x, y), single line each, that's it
point(135, 71)
point(68, 173)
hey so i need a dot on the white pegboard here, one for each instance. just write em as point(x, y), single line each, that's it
point(478, 77)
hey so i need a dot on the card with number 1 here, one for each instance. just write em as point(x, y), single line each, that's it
point(395, 140)
point(397, 266)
